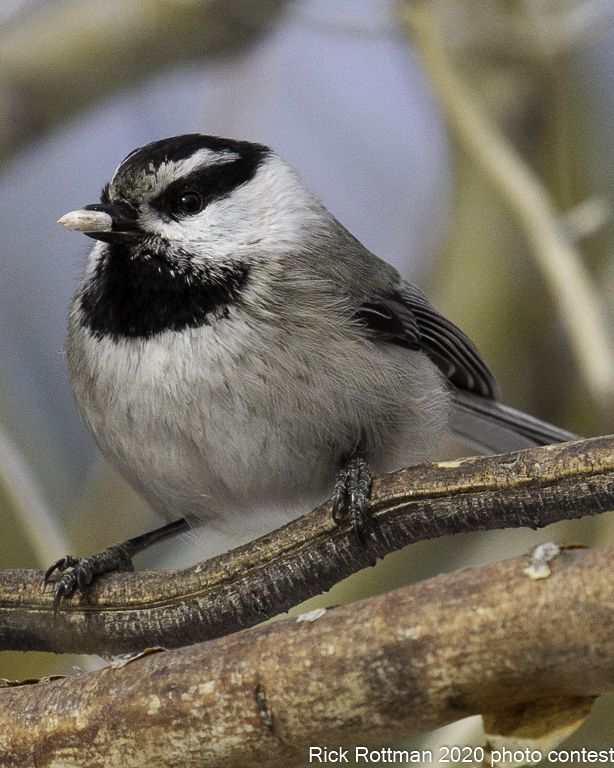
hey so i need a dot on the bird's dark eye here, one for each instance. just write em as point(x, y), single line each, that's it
point(190, 202)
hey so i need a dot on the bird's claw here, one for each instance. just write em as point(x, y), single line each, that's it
point(63, 564)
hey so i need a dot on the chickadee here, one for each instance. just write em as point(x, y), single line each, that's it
point(232, 348)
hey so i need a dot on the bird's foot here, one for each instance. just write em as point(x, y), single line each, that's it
point(85, 569)
point(353, 489)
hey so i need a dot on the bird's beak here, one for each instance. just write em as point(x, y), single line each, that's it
point(107, 222)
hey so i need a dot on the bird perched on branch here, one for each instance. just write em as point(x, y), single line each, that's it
point(233, 348)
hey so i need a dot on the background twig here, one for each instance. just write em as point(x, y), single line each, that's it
point(67, 54)
point(568, 280)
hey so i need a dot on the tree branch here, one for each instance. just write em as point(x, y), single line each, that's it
point(130, 611)
point(360, 674)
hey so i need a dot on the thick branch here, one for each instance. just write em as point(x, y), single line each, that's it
point(127, 612)
point(486, 640)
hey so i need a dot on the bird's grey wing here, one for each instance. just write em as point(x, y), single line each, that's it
point(407, 318)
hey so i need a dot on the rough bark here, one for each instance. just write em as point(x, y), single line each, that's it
point(489, 640)
point(130, 611)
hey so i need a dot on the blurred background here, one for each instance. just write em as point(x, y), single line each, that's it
point(468, 142)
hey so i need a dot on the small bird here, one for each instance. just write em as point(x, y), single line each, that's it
point(233, 349)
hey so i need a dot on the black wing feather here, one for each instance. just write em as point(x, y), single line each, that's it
point(408, 318)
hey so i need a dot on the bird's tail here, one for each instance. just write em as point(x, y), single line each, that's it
point(495, 428)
